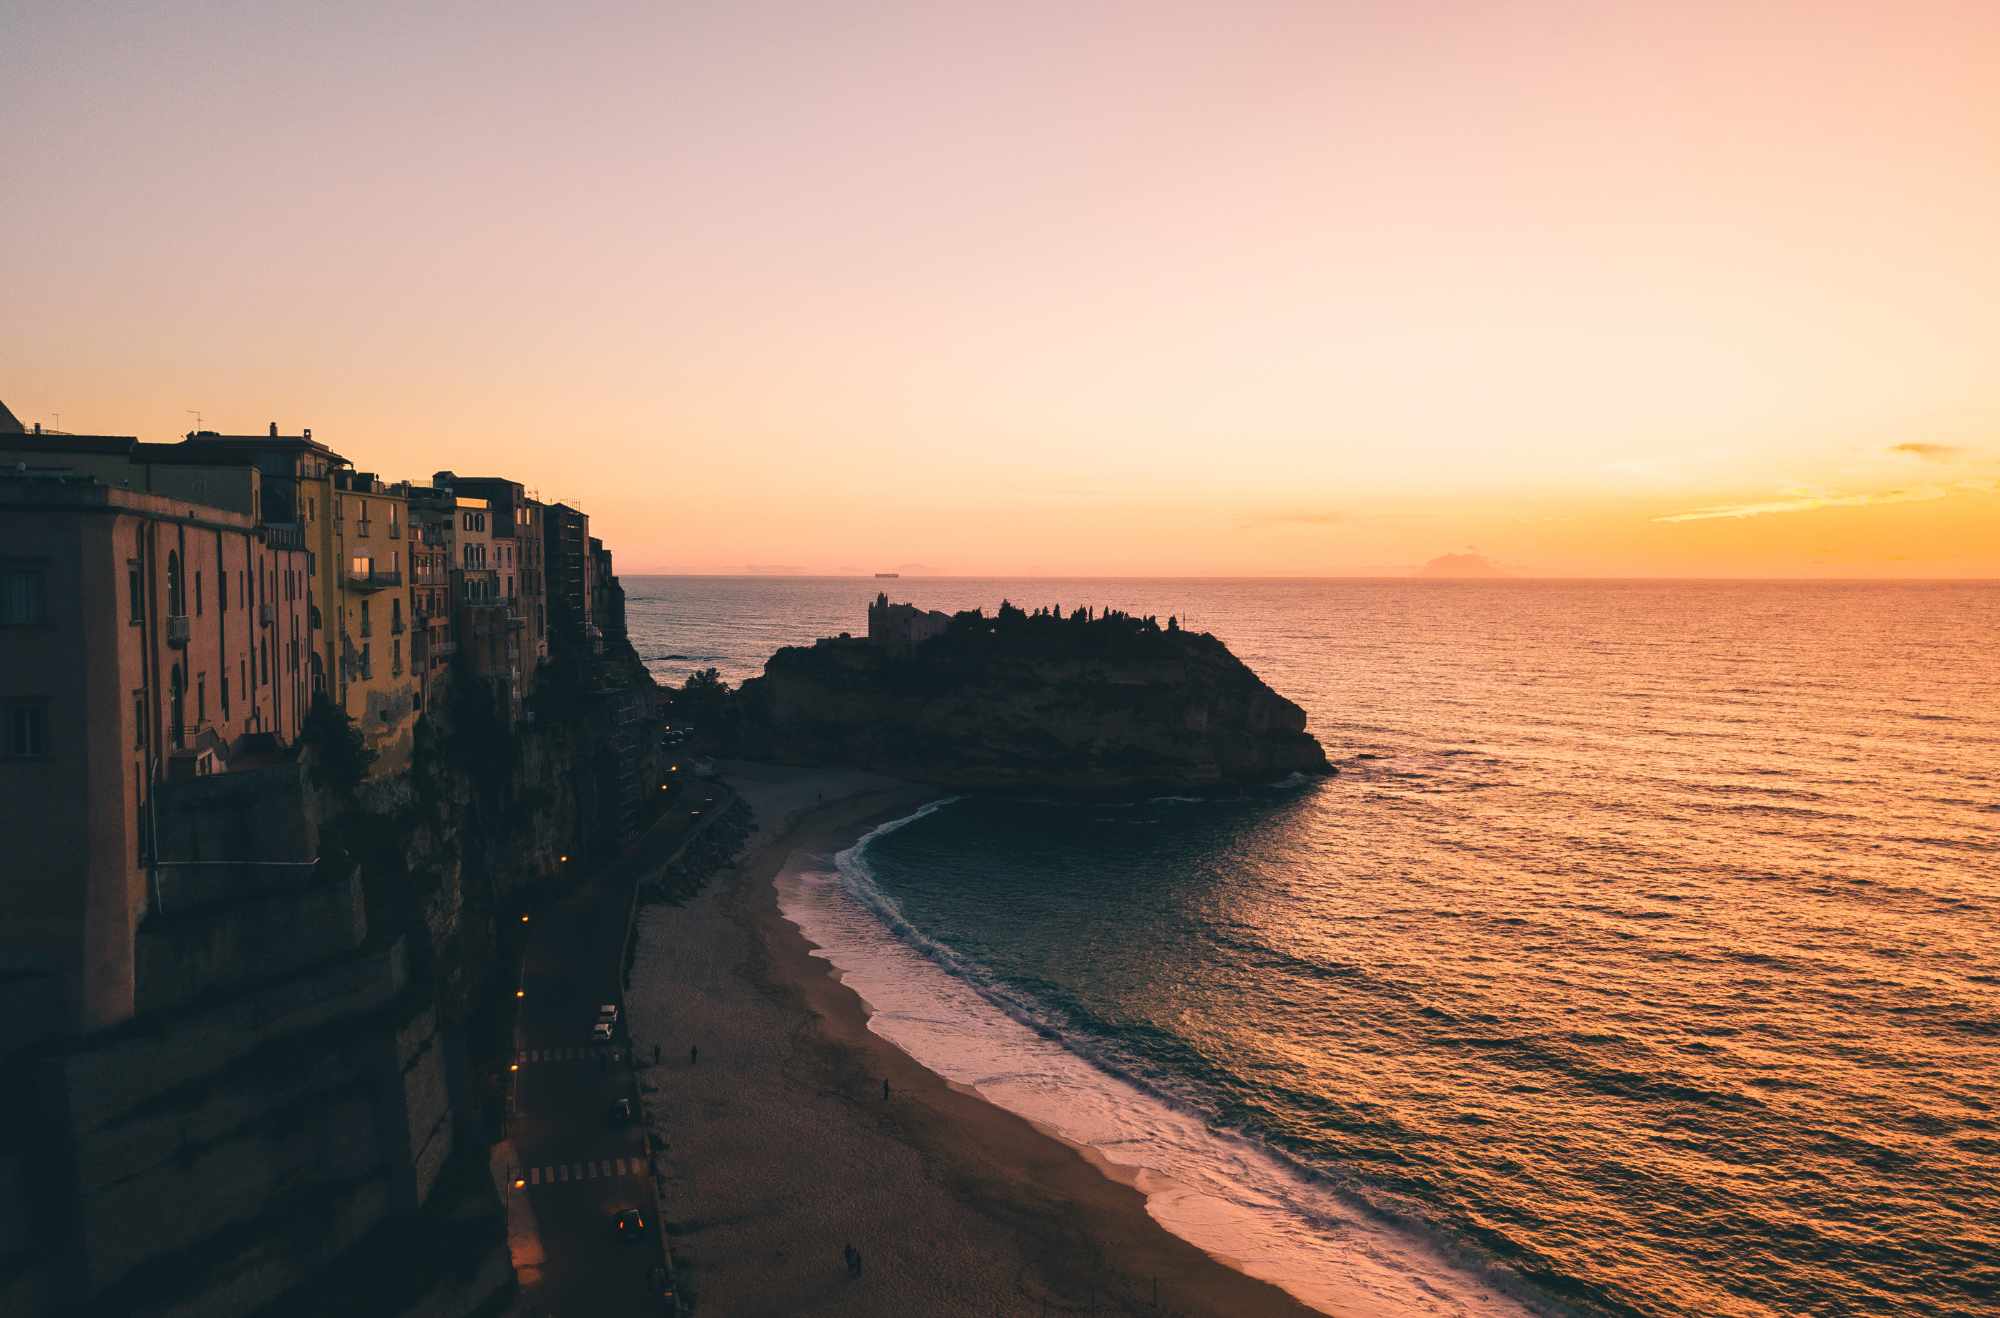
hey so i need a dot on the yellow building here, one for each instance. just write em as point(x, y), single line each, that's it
point(357, 530)
point(369, 636)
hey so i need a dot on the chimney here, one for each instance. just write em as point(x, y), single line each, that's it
point(274, 430)
point(38, 427)
point(309, 432)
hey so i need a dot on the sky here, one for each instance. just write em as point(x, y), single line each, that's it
point(1700, 289)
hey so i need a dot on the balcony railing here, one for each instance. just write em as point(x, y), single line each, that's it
point(374, 579)
point(177, 630)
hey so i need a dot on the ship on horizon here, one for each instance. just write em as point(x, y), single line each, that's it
point(887, 576)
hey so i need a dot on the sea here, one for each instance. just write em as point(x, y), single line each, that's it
point(1643, 957)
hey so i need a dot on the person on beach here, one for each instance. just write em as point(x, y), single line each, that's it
point(847, 1257)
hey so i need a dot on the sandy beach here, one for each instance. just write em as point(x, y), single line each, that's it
point(781, 1149)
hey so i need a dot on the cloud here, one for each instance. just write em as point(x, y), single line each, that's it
point(1461, 565)
point(1928, 452)
point(1802, 501)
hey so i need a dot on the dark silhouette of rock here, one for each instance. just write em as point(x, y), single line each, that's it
point(1095, 702)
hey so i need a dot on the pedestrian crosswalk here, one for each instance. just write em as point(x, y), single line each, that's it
point(563, 1172)
point(567, 1054)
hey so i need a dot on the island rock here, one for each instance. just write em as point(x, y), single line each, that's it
point(1087, 703)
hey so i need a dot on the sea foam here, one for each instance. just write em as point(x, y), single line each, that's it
point(1227, 1195)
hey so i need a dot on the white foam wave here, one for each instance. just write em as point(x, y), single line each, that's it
point(1230, 1196)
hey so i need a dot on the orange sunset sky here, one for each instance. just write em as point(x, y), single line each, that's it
point(1162, 288)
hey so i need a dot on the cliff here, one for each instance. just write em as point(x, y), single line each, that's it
point(1102, 704)
point(297, 1119)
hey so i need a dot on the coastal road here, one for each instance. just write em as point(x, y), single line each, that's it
point(581, 1164)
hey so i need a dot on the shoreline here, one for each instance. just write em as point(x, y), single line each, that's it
point(782, 1149)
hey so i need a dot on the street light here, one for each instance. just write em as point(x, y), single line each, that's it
point(520, 993)
point(520, 1183)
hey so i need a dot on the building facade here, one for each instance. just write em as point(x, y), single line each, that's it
point(378, 684)
point(566, 533)
point(143, 638)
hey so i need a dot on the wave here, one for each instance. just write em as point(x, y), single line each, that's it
point(1336, 1247)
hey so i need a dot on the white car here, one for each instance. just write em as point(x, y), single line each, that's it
point(601, 1032)
point(608, 1013)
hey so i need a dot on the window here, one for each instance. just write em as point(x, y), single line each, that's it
point(24, 596)
point(396, 657)
point(243, 672)
point(139, 718)
point(222, 589)
point(241, 593)
point(24, 729)
point(201, 697)
point(135, 591)
point(360, 566)
point(367, 667)
point(176, 596)
point(367, 629)
point(264, 663)
point(197, 592)
point(225, 693)
point(395, 615)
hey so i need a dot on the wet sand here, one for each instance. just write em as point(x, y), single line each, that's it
point(782, 1150)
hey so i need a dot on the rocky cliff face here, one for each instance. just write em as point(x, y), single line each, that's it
point(1042, 703)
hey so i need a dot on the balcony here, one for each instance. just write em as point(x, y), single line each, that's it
point(362, 526)
point(266, 614)
point(177, 630)
point(374, 579)
point(286, 535)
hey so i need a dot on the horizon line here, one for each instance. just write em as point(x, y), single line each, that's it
point(1331, 576)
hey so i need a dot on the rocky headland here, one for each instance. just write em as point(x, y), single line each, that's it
point(1086, 702)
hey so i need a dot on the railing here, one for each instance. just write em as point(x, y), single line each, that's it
point(285, 536)
point(374, 579)
point(361, 525)
point(177, 630)
point(265, 614)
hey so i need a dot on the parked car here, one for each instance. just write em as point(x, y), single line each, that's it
point(601, 1032)
point(608, 1013)
point(621, 1112)
point(630, 1224)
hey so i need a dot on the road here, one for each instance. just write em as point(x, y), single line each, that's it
point(581, 1166)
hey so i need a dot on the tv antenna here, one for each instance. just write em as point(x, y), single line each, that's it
point(58, 417)
point(196, 415)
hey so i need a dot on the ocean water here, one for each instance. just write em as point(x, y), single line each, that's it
point(1643, 958)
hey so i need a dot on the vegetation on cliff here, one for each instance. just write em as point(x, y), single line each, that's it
point(1085, 702)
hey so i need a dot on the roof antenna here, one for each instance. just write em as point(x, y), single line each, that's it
point(58, 417)
point(197, 418)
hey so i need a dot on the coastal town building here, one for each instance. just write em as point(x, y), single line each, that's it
point(901, 628)
point(607, 597)
point(145, 637)
point(378, 686)
point(567, 535)
point(519, 550)
point(432, 641)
